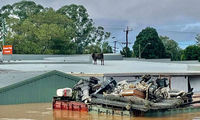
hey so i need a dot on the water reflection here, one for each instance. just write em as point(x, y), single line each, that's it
point(69, 115)
point(72, 115)
point(44, 112)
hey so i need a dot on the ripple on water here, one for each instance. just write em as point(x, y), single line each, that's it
point(15, 119)
point(33, 112)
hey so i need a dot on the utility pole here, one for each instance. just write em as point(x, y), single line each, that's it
point(127, 31)
point(115, 46)
point(141, 51)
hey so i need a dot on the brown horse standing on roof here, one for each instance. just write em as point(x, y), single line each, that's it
point(98, 56)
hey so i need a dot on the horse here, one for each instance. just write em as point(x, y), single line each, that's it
point(96, 56)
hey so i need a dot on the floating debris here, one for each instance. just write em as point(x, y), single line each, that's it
point(146, 95)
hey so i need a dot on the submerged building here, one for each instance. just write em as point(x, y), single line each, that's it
point(35, 78)
point(177, 81)
point(32, 87)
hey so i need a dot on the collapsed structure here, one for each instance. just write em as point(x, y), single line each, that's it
point(148, 94)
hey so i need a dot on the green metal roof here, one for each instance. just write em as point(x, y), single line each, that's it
point(30, 80)
point(10, 77)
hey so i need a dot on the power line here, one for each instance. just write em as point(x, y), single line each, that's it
point(112, 26)
point(122, 27)
point(115, 46)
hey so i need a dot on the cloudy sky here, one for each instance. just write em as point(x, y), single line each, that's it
point(178, 19)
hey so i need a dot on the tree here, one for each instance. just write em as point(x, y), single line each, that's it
point(38, 34)
point(199, 59)
point(126, 52)
point(86, 32)
point(106, 48)
point(33, 29)
point(93, 48)
point(98, 48)
point(24, 9)
point(192, 52)
point(5, 11)
point(171, 47)
point(149, 43)
point(198, 39)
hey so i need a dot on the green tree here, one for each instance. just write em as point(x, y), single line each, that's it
point(23, 9)
point(171, 47)
point(33, 29)
point(55, 31)
point(39, 34)
point(106, 48)
point(98, 48)
point(86, 32)
point(5, 11)
point(126, 52)
point(199, 59)
point(94, 48)
point(198, 39)
point(149, 43)
point(192, 52)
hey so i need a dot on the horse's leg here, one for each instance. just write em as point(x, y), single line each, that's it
point(102, 62)
point(93, 61)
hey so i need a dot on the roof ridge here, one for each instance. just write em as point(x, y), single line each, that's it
point(29, 80)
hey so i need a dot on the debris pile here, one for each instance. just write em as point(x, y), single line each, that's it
point(147, 94)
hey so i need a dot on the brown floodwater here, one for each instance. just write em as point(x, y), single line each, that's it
point(44, 111)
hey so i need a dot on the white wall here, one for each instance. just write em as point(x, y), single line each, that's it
point(179, 83)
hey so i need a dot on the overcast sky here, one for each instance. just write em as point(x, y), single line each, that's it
point(178, 19)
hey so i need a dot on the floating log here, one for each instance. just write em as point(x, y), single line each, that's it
point(129, 99)
point(125, 105)
point(167, 104)
point(138, 103)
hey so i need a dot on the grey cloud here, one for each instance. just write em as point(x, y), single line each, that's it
point(146, 11)
point(191, 27)
point(134, 12)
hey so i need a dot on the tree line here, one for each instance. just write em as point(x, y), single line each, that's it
point(34, 29)
point(150, 45)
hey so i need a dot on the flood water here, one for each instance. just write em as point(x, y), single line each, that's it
point(44, 112)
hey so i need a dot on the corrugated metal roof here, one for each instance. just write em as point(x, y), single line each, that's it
point(40, 88)
point(11, 77)
point(35, 76)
